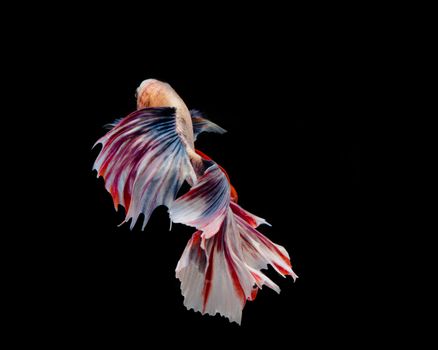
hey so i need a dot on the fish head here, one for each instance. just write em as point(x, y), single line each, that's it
point(152, 93)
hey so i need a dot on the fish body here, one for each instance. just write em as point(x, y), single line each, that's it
point(155, 93)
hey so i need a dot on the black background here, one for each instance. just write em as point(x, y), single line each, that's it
point(292, 105)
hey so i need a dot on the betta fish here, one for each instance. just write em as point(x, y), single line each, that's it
point(145, 159)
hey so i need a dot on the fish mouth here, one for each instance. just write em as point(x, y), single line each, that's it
point(143, 85)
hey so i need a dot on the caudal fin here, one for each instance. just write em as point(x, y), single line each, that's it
point(220, 268)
